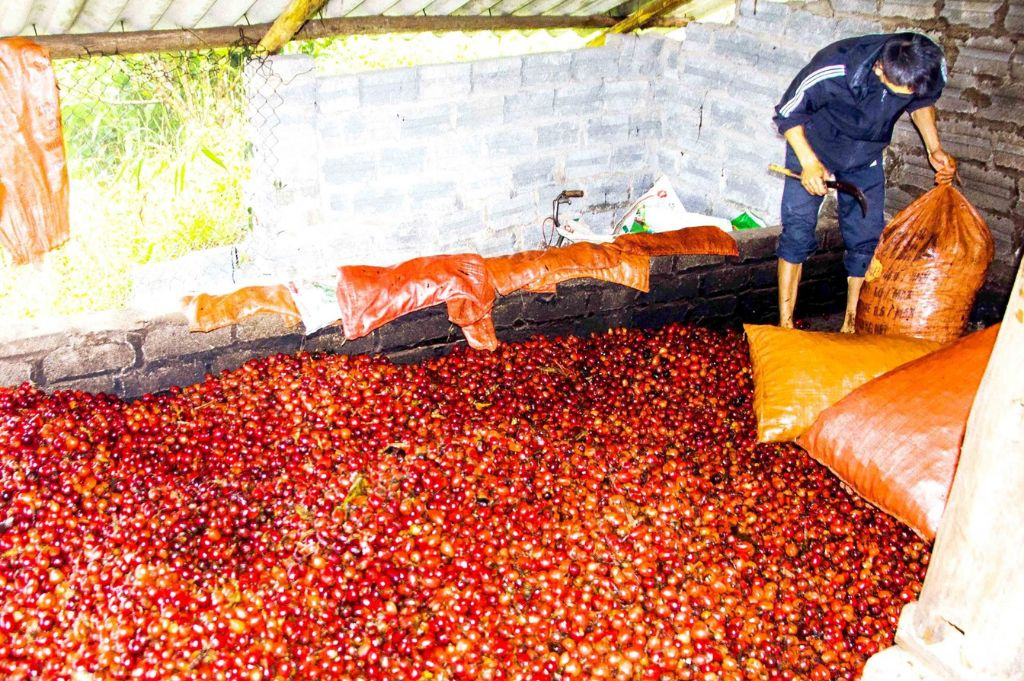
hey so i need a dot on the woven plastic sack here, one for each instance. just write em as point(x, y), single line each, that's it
point(896, 440)
point(206, 312)
point(688, 241)
point(631, 270)
point(539, 271)
point(799, 374)
point(370, 297)
point(33, 170)
point(928, 267)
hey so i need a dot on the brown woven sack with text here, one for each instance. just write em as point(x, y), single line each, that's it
point(928, 266)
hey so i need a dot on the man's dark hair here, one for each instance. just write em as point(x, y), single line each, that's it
point(913, 61)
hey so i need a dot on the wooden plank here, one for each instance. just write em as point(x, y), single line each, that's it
point(640, 18)
point(288, 24)
point(94, 44)
point(975, 580)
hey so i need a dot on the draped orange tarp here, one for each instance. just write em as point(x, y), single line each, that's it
point(206, 312)
point(33, 170)
point(541, 271)
point(624, 261)
point(370, 297)
point(687, 241)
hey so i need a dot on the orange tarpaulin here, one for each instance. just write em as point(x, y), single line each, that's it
point(33, 171)
point(540, 271)
point(370, 297)
point(206, 312)
point(687, 241)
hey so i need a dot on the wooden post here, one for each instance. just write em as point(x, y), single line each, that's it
point(134, 42)
point(642, 17)
point(288, 24)
point(969, 620)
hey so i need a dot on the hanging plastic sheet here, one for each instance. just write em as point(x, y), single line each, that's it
point(33, 169)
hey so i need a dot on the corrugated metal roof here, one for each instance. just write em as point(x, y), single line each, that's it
point(57, 17)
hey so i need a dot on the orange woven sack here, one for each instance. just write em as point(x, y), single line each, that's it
point(896, 440)
point(370, 297)
point(206, 312)
point(687, 241)
point(928, 267)
point(631, 270)
point(539, 271)
point(798, 374)
point(33, 170)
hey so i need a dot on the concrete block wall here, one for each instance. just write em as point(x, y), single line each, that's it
point(384, 166)
point(723, 82)
point(381, 167)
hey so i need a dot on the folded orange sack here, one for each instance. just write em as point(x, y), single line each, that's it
point(798, 374)
point(632, 270)
point(687, 241)
point(896, 440)
point(370, 297)
point(206, 312)
point(539, 271)
point(33, 169)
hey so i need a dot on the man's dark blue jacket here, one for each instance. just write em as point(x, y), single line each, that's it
point(847, 112)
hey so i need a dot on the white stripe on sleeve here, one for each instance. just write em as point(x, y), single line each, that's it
point(812, 79)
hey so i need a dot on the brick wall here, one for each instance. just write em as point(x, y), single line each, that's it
point(129, 357)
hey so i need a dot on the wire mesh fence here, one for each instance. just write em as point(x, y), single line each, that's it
point(163, 138)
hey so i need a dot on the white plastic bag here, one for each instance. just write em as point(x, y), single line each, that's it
point(576, 230)
point(663, 211)
point(317, 302)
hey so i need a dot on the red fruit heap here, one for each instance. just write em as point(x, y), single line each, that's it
point(558, 509)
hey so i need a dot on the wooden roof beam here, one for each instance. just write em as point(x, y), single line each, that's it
point(641, 18)
point(284, 28)
point(73, 45)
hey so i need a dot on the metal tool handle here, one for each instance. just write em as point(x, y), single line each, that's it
point(776, 168)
